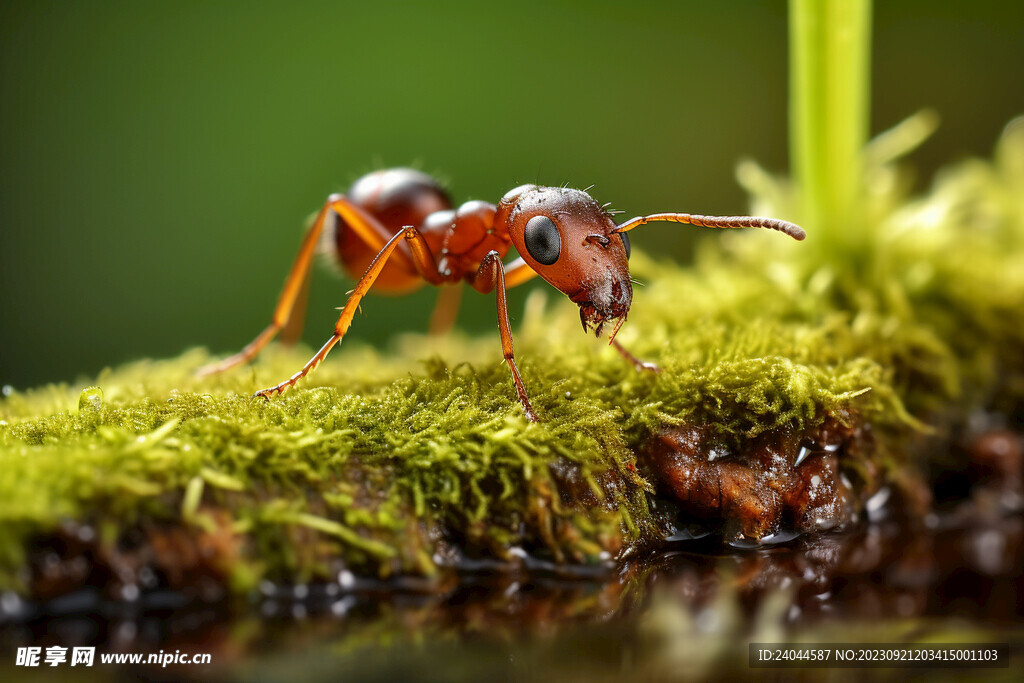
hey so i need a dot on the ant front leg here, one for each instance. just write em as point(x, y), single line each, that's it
point(491, 275)
point(641, 366)
point(425, 265)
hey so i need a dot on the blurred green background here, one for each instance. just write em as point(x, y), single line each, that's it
point(158, 159)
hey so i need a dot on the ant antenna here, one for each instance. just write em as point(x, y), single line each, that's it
point(791, 229)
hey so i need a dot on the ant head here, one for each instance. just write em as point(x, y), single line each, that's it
point(571, 242)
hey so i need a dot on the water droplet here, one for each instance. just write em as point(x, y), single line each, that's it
point(802, 455)
point(743, 542)
point(875, 505)
point(685, 534)
point(10, 603)
point(147, 577)
point(90, 400)
point(346, 579)
point(342, 606)
point(717, 453)
point(989, 548)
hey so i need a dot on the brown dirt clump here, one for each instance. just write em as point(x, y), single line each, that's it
point(778, 483)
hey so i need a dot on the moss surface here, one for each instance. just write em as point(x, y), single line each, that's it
point(409, 459)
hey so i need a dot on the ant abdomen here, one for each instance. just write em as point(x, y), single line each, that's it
point(396, 197)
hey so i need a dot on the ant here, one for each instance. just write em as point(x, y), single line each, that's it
point(399, 229)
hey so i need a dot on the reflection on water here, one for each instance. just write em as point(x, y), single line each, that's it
point(689, 610)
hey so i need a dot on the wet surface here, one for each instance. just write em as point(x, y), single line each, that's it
point(967, 564)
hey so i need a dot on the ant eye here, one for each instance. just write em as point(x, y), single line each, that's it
point(542, 240)
point(625, 242)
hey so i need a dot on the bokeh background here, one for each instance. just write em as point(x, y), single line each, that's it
point(158, 159)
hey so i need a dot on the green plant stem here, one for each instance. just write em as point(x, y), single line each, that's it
point(829, 107)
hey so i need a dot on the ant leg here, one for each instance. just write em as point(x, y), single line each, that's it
point(446, 310)
point(491, 275)
point(292, 330)
point(291, 303)
point(640, 365)
point(425, 265)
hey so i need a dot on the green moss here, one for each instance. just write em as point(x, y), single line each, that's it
point(935, 283)
point(383, 460)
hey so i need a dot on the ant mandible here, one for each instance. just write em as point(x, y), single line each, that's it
point(399, 229)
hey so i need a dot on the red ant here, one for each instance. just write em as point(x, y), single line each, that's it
point(399, 229)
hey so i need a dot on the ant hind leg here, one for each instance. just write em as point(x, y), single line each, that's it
point(292, 331)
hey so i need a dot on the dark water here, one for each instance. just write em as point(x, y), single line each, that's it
point(685, 613)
